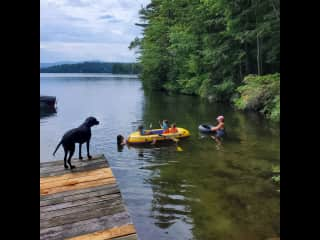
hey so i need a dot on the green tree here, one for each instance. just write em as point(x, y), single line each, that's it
point(207, 47)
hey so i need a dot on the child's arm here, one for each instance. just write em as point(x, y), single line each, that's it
point(214, 128)
point(146, 132)
point(217, 127)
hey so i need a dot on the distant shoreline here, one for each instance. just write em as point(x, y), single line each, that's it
point(114, 75)
point(93, 67)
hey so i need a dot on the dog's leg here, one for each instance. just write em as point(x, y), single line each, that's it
point(65, 158)
point(80, 145)
point(88, 149)
point(72, 148)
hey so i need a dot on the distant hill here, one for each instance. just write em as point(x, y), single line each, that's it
point(93, 67)
point(45, 65)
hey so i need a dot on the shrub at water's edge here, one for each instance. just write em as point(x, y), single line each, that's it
point(260, 93)
point(276, 175)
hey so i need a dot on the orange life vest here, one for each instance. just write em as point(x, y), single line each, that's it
point(173, 130)
point(166, 131)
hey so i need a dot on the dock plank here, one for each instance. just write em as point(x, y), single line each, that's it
point(72, 179)
point(104, 171)
point(108, 234)
point(97, 158)
point(77, 185)
point(116, 207)
point(78, 203)
point(102, 203)
point(69, 196)
point(84, 227)
point(83, 203)
point(129, 237)
point(80, 167)
point(80, 163)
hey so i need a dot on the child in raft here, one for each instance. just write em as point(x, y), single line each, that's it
point(142, 131)
point(220, 131)
point(165, 126)
point(122, 141)
point(173, 128)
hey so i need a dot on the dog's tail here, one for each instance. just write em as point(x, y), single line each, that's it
point(57, 148)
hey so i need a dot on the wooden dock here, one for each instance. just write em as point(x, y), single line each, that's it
point(83, 204)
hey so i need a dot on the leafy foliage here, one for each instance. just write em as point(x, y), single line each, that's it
point(261, 93)
point(207, 47)
point(276, 171)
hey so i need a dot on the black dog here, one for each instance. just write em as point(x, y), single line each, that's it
point(79, 135)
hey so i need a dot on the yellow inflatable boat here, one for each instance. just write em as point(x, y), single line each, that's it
point(135, 137)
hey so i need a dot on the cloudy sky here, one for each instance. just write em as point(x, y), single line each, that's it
point(80, 30)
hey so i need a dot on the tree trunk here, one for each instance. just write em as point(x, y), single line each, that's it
point(258, 41)
point(258, 55)
point(240, 71)
point(276, 11)
point(247, 67)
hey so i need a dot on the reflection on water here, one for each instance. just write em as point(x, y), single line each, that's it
point(217, 194)
point(200, 193)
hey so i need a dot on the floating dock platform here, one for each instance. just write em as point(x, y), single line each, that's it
point(48, 102)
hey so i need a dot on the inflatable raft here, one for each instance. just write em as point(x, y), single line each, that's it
point(205, 128)
point(136, 138)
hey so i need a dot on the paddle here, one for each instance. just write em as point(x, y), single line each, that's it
point(179, 149)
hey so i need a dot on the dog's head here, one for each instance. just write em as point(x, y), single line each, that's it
point(91, 121)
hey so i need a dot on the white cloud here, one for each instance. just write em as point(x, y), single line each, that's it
point(88, 29)
point(75, 51)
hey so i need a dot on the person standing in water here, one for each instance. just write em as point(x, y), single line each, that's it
point(219, 129)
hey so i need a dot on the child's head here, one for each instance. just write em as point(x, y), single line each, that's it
point(174, 125)
point(120, 139)
point(140, 127)
point(220, 119)
point(166, 121)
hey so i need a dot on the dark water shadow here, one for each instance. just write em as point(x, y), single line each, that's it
point(46, 112)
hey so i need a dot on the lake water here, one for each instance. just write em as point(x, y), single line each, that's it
point(200, 193)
